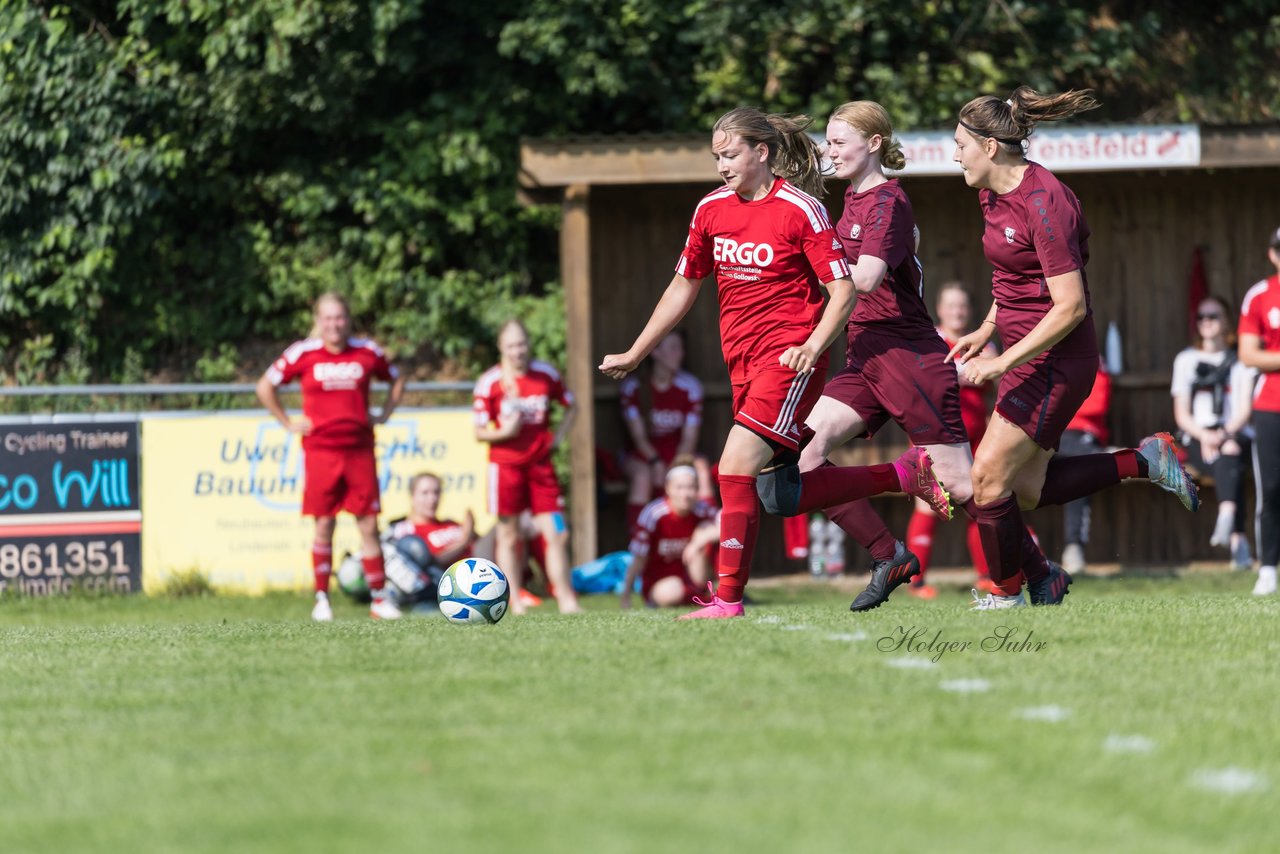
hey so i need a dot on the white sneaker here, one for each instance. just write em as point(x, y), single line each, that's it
point(383, 608)
point(322, 612)
point(1222, 529)
point(992, 602)
point(1073, 558)
point(1266, 585)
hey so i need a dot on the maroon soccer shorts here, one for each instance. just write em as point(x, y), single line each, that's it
point(773, 403)
point(886, 377)
point(514, 489)
point(1042, 396)
point(340, 480)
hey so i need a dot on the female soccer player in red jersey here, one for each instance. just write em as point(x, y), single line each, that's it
point(341, 473)
point(512, 406)
point(670, 572)
point(770, 244)
point(1260, 348)
point(663, 415)
point(447, 540)
point(1036, 238)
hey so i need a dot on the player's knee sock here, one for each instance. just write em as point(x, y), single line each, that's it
point(920, 539)
point(974, 539)
point(828, 486)
point(739, 521)
point(1003, 533)
point(1034, 564)
point(1069, 478)
point(864, 525)
point(374, 572)
point(795, 536)
point(322, 565)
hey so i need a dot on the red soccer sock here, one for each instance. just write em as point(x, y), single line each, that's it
point(1069, 478)
point(974, 538)
point(739, 522)
point(374, 572)
point(827, 486)
point(865, 527)
point(1003, 533)
point(920, 539)
point(321, 566)
point(795, 536)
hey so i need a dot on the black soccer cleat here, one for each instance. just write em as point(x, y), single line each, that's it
point(1052, 589)
point(885, 576)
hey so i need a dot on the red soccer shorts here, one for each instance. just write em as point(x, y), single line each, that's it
point(774, 401)
point(529, 486)
point(340, 480)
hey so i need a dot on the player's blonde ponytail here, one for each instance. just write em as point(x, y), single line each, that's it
point(792, 153)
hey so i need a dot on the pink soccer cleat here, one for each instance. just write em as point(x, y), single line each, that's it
point(915, 472)
point(715, 609)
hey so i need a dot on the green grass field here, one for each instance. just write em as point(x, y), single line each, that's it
point(1146, 722)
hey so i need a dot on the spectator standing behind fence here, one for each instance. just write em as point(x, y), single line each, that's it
point(1260, 348)
point(341, 473)
point(662, 410)
point(1086, 433)
point(1217, 438)
point(512, 406)
point(671, 572)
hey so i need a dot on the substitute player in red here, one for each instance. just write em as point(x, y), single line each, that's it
point(1260, 348)
point(335, 370)
point(447, 540)
point(513, 401)
point(1037, 241)
point(670, 572)
point(770, 244)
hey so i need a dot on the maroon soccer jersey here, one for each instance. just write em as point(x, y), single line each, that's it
point(879, 222)
point(669, 410)
point(335, 389)
point(1260, 315)
point(662, 534)
point(1035, 232)
point(768, 256)
point(533, 394)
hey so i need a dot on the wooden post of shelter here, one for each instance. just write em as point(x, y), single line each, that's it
point(575, 266)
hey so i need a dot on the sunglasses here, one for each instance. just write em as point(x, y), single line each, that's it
point(1208, 317)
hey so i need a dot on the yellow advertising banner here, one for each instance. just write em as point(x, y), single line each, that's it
point(221, 494)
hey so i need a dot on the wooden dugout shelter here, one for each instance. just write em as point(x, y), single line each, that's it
point(626, 205)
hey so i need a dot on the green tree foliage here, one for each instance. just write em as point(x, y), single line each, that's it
point(178, 177)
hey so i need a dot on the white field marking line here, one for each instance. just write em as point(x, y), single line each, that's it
point(909, 663)
point(1115, 743)
point(965, 686)
point(1048, 714)
point(769, 620)
point(1229, 781)
point(796, 627)
point(848, 637)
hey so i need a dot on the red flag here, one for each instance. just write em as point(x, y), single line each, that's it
point(1197, 289)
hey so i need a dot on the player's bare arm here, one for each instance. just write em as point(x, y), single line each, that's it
point(1067, 292)
point(395, 393)
point(976, 341)
point(269, 396)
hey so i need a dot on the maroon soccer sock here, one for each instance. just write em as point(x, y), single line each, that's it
point(1069, 478)
point(1003, 533)
point(863, 524)
point(1035, 567)
point(828, 486)
point(374, 571)
point(739, 521)
point(321, 566)
point(920, 538)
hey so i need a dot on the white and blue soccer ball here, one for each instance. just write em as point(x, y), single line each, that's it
point(473, 590)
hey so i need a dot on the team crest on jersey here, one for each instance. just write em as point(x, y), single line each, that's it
point(856, 231)
point(1008, 234)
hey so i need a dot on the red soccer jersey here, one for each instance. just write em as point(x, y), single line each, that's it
point(533, 394)
point(662, 534)
point(1260, 315)
point(879, 222)
point(768, 256)
point(1035, 232)
point(440, 535)
point(335, 389)
point(669, 409)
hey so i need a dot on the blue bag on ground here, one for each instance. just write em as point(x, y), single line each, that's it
point(605, 574)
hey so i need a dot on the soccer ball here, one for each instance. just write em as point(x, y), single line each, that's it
point(473, 590)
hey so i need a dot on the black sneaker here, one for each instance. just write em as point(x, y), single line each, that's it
point(1052, 589)
point(885, 576)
